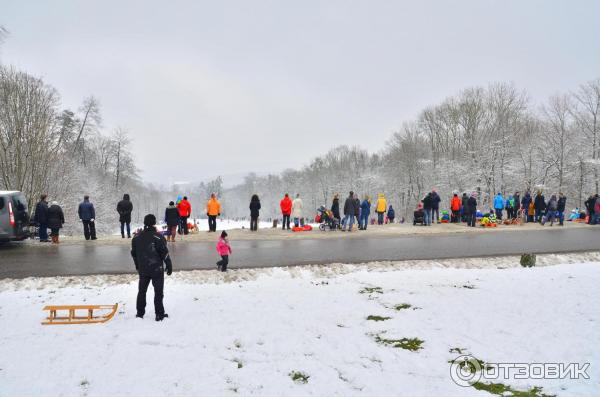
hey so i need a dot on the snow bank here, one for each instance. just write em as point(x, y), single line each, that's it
point(244, 332)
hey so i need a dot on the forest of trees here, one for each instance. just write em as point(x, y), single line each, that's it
point(483, 139)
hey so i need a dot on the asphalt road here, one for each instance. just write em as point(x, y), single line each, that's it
point(22, 260)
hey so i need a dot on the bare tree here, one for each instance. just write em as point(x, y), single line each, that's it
point(558, 133)
point(91, 120)
point(587, 115)
point(28, 138)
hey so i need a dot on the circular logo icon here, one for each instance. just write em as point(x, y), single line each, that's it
point(465, 370)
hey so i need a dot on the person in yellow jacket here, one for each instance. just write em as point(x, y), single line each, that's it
point(213, 209)
point(381, 208)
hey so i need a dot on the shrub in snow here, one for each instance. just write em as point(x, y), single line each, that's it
point(528, 260)
point(299, 377)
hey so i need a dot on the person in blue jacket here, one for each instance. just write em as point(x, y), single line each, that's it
point(525, 201)
point(499, 205)
point(391, 214)
point(365, 211)
point(87, 214)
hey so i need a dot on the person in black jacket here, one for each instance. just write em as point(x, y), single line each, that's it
point(589, 205)
point(87, 214)
point(357, 209)
point(560, 207)
point(427, 209)
point(435, 207)
point(172, 220)
point(56, 219)
point(349, 210)
point(540, 206)
point(335, 209)
point(471, 210)
point(463, 207)
point(254, 212)
point(41, 218)
point(124, 208)
point(149, 251)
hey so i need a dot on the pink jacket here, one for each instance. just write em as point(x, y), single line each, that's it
point(223, 247)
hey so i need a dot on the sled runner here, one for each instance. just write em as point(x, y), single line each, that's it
point(73, 318)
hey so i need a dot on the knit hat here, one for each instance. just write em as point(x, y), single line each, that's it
point(149, 220)
point(223, 234)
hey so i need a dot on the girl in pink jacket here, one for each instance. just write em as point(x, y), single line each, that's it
point(224, 249)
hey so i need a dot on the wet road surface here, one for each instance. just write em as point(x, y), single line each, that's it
point(22, 260)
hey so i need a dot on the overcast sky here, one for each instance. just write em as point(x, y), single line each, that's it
point(228, 87)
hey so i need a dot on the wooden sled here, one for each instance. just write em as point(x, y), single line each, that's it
point(73, 318)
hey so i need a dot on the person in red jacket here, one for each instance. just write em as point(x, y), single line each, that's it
point(455, 205)
point(286, 211)
point(185, 210)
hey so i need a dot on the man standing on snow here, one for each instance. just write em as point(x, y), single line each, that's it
point(499, 205)
point(149, 251)
point(381, 208)
point(297, 210)
point(435, 206)
point(87, 214)
point(185, 210)
point(213, 209)
point(286, 210)
point(349, 210)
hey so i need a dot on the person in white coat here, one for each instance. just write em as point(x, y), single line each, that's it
point(297, 210)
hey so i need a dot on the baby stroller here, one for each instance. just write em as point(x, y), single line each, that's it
point(418, 217)
point(326, 219)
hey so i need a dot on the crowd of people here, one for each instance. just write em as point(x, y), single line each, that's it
point(462, 208)
point(151, 255)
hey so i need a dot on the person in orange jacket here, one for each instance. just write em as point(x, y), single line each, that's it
point(213, 209)
point(286, 210)
point(455, 205)
point(185, 210)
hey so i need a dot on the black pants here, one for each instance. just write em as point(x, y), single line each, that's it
point(471, 219)
point(286, 222)
point(435, 215)
point(183, 225)
point(123, 224)
point(455, 216)
point(89, 230)
point(254, 223)
point(158, 282)
point(223, 263)
point(212, 223)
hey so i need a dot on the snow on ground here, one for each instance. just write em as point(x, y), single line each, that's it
point(244, 332)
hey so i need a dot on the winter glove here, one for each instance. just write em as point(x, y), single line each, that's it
point(219, 214)
point(92, 220)
point(207, 214)
point(169, 270)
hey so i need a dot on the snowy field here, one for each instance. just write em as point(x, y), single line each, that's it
point(249, 331)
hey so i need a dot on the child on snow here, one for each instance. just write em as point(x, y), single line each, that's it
point(224, 249)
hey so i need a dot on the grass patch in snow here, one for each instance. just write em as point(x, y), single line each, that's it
point(412, 344)
point(377, 318)
point(402, 306)
point(500, 389)
point(371, 290)
point(299, 377)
